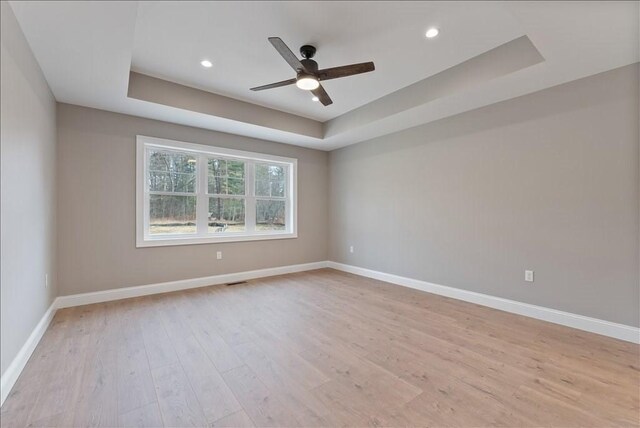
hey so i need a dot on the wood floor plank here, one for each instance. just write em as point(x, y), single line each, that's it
point(363, 378)
point(157, 342)
point(135, 385)
point(147, 416)
point(178, 403)
point(215, 397)
point(265, 409)
point(59, 388)
point(160, 352)
point(320, 348)
point(204, 327)
point(276, 375)
point(96, 402)
point(289, 386)
point(20, 402)
point(235, 420)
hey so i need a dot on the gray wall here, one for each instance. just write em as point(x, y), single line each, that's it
point(547, 182)
point(28, 190)
point(96, 207)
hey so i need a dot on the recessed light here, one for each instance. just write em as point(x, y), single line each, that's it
point(206, 63)
point(431, 33)
point(316, 99)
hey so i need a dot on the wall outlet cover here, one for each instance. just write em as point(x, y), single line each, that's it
point(528, 275)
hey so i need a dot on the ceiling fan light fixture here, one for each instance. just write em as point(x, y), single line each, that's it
point(307, 82)
point(206, 63)
point(308, 75)
point(432, 32)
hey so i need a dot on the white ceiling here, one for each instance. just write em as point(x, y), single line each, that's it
point(87, 49)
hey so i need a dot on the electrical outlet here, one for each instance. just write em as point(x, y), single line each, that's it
point(528, 275)
point(351, 249)
point(46, 280)
point(219, 255)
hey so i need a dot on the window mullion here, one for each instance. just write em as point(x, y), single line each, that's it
point(288, 206)
point(250, 201)
point(146, 201)
point(202, 205)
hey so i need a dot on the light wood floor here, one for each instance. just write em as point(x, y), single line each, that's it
point(320, 348)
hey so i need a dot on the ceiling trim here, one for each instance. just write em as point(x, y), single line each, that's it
point(159, 91)
point(507, 58)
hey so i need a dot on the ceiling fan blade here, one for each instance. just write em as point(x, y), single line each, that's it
point(345, 70)
point(286, 53)
point(322, 95)
point(274, 85)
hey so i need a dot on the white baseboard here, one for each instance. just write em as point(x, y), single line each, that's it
point(10, 376)
point(593, 325)
point(164, 287)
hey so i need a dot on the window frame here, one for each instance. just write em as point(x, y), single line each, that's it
point(203, 153)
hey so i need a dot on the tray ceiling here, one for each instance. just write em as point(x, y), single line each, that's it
point(88, 50)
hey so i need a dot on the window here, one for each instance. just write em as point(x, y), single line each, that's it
point(196, 194)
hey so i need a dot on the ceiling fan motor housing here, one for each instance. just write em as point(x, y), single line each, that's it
point(307, 51)
point(310, 65)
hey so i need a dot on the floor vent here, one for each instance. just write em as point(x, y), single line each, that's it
point(236, 283)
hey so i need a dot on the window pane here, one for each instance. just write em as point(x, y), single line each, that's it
point(270, 180)
point(172, 214)
point(270, 215)
point(235, 186)
point(226, 177)
point(277, 188)
point(217, 167)
point(235, 169)
point(217, 185)
point(171, 172)
point(226, 215)
point(262, 188)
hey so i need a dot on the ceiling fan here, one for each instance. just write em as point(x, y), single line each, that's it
point(308, 75)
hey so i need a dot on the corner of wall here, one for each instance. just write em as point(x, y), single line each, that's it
point(28, 133)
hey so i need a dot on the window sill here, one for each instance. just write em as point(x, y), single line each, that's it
point(166, 241)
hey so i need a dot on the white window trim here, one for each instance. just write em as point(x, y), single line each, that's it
point(143, 239)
